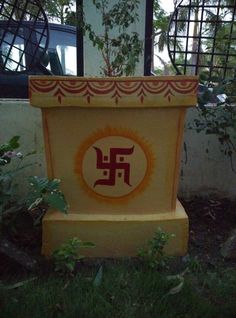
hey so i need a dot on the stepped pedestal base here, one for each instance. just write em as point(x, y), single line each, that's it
point(115, 235)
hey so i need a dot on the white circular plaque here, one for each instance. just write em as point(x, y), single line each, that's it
point(114, 164)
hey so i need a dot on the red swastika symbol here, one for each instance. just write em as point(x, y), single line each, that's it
point(113, 165)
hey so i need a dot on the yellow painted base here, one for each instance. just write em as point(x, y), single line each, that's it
point(115, 235)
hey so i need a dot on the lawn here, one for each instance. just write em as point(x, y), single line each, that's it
point(124, 290)
point(201, 284)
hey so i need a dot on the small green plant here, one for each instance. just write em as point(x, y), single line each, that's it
point(41, 190)
point(154, 255)
point(47, 192)
point(218, 120)
point(67, 255)
point(193, 264)
point(9, 205)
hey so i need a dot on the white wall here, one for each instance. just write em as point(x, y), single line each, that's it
point(17, 118)
point(204, 168)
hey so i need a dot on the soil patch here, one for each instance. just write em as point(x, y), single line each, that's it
point(210, 220)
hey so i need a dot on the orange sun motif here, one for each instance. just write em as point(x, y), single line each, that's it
point(114, 165)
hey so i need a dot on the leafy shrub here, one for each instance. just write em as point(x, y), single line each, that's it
point(41, 190)
point(67, 255)
point(154, 255)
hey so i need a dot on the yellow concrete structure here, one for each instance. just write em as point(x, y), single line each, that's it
point(115, 143)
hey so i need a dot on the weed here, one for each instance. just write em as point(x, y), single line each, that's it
point(67, 255)
point(193, 264)
point(41, 190)
point(154, 255)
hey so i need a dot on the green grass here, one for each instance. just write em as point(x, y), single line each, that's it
point(125, 291)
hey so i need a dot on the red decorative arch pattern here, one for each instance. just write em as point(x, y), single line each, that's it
point(116, 89)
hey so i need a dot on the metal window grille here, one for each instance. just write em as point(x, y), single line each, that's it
point(202, 39)
point(13, 14)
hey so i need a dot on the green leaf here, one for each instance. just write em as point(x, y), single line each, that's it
point(20, 284)
point(39, 184)
point(70, 265)
point(87, 244)
point(177, 289)
point(57, 201)
point(10, 145)
point(98, 278)
point(53, 185)
point(14, 142)
point(35, 203)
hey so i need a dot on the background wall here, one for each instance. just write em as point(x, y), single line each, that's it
point(17, 118)
point(205, 169)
